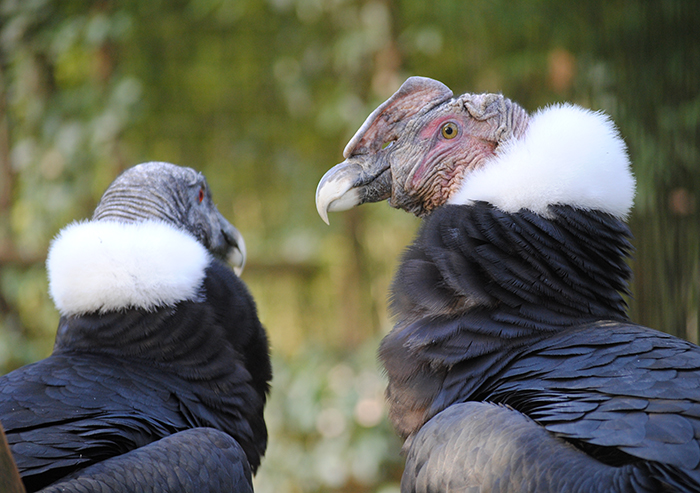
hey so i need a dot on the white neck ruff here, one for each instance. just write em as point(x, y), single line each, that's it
point(102, 266)
point(568, 156)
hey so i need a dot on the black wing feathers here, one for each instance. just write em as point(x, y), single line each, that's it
point(120, 381)
point(615, 391)
point(496, 268)
point(201, 459)
point(525, 312)
point(479, 446)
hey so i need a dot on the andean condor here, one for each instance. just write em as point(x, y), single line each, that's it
point(160, 369)
point(513, 365)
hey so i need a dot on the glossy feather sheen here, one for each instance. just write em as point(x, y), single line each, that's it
point(523, 310)
point(512, 365)
point(122, 380)
point(161, 368)
point(495, 446)
point(194, 454)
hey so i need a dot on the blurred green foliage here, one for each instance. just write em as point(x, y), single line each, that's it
point(262, 95)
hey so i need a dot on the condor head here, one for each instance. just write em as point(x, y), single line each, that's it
point(416, 147)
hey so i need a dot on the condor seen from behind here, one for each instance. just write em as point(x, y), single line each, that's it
point(160, 370)
point(512, 364)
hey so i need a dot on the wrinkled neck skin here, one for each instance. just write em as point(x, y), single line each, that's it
point(478, 285)
point(426, 172)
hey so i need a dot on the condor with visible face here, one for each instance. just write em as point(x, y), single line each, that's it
point(160, 370)
point(513, 365)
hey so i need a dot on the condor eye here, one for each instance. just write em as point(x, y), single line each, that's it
point(200, 197)
point(449, 130)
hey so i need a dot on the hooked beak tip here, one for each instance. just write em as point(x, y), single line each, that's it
point(322, 205)
point(237, 258)
point(237, 255)
point(337, 190)
point(324, 216)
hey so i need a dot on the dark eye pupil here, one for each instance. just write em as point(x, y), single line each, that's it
point(201, 195)
point(449, 130)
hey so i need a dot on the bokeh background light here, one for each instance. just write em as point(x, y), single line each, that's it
point(262, 95)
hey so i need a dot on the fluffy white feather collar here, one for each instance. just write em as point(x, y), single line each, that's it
point(569, 156)
point(101, 266)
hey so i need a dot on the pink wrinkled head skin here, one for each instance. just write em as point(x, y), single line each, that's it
point(416, 94)
point(426, 166)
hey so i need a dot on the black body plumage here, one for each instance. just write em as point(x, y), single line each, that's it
point(202, 460)
point(523, 312)
point(513, 365)
point(161, 368)
point(119, 381)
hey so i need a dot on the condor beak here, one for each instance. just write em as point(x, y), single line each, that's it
point(357, 180)
point(237, 253)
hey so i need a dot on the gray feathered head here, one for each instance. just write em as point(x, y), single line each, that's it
point(176, 195)
point(148, 245)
